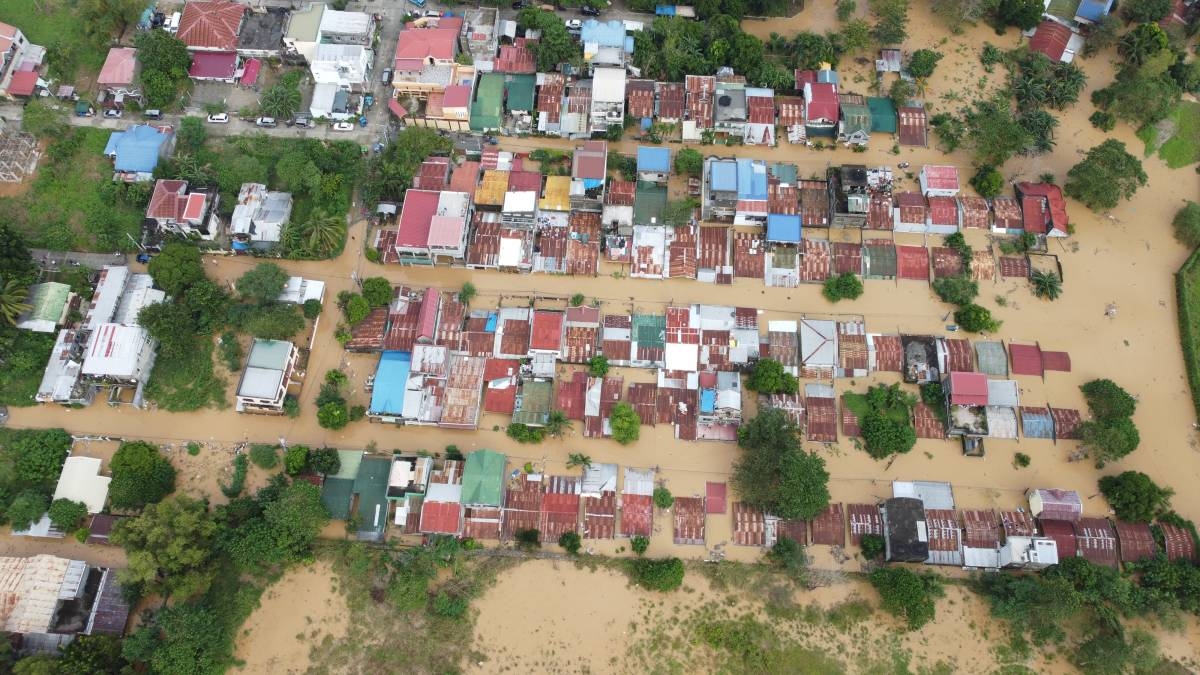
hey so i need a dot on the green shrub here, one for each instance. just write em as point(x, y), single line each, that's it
point(357, 412)
point(872, 546)
point(324, 461)
point(193, 448)
point(333, 415)
point(264, 456)
point(663, 498)
point(845, 286)
point(576, 300)
point(291, 406)
point(450, 606)
point(960, 289)
point(639, 544)
point(976, 319)
point(1103, 120)
point(295, 460)
point(66, 514)
point(311, 309)
point(664, 574)
point(528, 539)
point(570, 541)
point(908, 595)
point(598, 366)
point(523, 433)
point(241, 464)
point(1021, 460)
point(231, 351)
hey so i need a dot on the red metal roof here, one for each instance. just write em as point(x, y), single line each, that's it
point(193, 208)
point(701, 90)
point(749, 525)
point(689, 519)
point(560, 508)
point(783, 199)
point(119, 67)
point(167, 200)
point(981, 529)
point(213, 65)
point(714, 497)
point(481, 523)
point(943, 211)
point(1017, 524)
point(524, 181)
point(926, 422)
point(456, 96)
point(1097, 541)
point(1063, 535)
point(829, 527)
point(550, 97)
point(889, 353)
point(1178, 542)
point(1054, 198)
point(1035, 214)
point(547, 330)
point(427, 318)
point(643, 396)
point(847, 257)
point(946, 262)
point(465, 178)
point(748, 259)
point(671, 97)
point(761, 109)
point(441, 517)
point(639, 98)
point(821, 419)
point(416, 216)
point(1008, 213)
point(211, 24)
point(637, 515)
point(414, 46)
point(912, 207)
point(914, 126)
point(620, 192)
point(571, 395)
point(500, 387)
point(791, 111)
point(912, 262)
point(590, 160)
point(1136, 540)
point(1051, 39)
point(250, 71)
point(975, 212)
point(968, 389)
point(515, 59)
point(864, 519)
point(823, 104)
point(1066, 423)
point(23, 83)
point(1058, 361)
point(600, 516)
point(960, 356)
point(1026, 359)
point(940, 177)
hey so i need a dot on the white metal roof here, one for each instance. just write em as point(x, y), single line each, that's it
point(520, 202)
point(817, 346)
point(260, 383)
point(116, 351)
point(681, 356)
point(350, 23)
point(598, 478)
point(299, 290)
point(934, 495)
point(81, 481)
point(510, 252)
point(107, 295)
point(608, 85)
point(444, 492)
point(639, 481)
point(1003, 393)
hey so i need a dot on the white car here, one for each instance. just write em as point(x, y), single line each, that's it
point(219, 118)
point(343, 126)
point(574, 24)
point(112, 112)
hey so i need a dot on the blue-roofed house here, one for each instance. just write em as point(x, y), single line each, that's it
point(719, 189)
point(751, 192)
point(720, 411)
point(783, 229)
point(135, 152)
point(653, 164)
point(1092, 11)
point(605, 43)
point(391, 381)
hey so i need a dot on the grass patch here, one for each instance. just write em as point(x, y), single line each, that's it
point(73, 204)
point(24, 363)
point(1063, 9)
point(857, 403)
point(1187, 290)
point(1148, 135)
point(57, 26)
point(188, 382)
point(1183, 148)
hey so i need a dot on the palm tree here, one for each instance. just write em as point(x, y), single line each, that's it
point(1046, 285)
point(12, 301)
point(280, 101)
point(577, 459)
point(558, 424)
point(325, 234)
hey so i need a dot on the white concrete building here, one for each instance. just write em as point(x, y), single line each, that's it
point(269, 371)
point(347, 66)
point(259, 217)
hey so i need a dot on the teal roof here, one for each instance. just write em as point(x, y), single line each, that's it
point(786, 173)
point(269, 354)
point(650, 330)
point(489, 98)
point(47, 301)
point(520, 90)
point(856, 117)
point(535, 403)
point(336, 495)
point(883, 114)
point(649, 201)
point(371, 487)
point(349, 461)
point(483, 478)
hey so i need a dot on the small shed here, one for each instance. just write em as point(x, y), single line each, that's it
point(906, 538)
point(1063, 534)
point(1097, 541)
point(1178, 542)
point(1136, 541)
point(1055, 504)
point(864, 519)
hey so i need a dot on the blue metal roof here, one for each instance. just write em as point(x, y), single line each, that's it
point(391, 376)
point(782, 228)
point(664, 10)
point(1093, 10)
point(723, 175)
point(828, 77)
point(1037, 424)
point(657, 160)
point(708, 400)
point(607, 34)
point(136, 149)
point(751, 179)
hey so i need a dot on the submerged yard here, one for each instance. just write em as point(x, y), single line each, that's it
point(1176, 139)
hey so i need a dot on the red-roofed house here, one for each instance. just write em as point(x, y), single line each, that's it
point(1049, 215)
point(433, 174)
point(214, 67)
point(442, 511)
point(174, 209)
point(939, 181)
point(118, 77)
point(432, 224)
point(701, 94)
point(1056, 41)
point(424, 61)
point(910, 213)
point(913, 126)
point(639, 98)
point(23, 83)
point(589, 170)
point(821, 109)
point(943, 215)
point(211, 25)
point(968, 389)
point(546, 332)
point(15, 51)
point(550, 102)
point(516, 59)
point(671, 101)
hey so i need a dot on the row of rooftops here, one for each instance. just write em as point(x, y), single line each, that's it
point(224, 25)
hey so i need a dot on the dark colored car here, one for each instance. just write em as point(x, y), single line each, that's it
point(588, 10)
point(520, 4)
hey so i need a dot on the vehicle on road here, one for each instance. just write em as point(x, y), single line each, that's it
point(588, 10)
point(219, 118)
point(112, 113)
point(303, 120)
point(343, 126)
point(387, 76)
point(153, 114)
point(432, 13)
point(520, 4)
point(574, 24)
point(266, 122)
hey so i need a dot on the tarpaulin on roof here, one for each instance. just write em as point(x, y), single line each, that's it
point(250, 73)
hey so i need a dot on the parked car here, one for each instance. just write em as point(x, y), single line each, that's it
point(304, 120)
point(343, 126)
point(520, 4)
point(432, 13)
point(219, 118)
point(574, 24)
point(387, 76)
point(588, 10)
point(266, 122)
point(112, 112)
point(153, 114)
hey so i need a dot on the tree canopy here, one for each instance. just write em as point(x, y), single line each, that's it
point(1187, 224)
point(377, 291)
point(689, 162)
point(884, 436)
point(626, 425)
point(1135, 497)
point(290, 522)
point(171, 547)
point(165, 62)
point(976, 319)
point(390, 173)
point(908, 595)
point(555, 46)
point(774, 473)
point(263, 283)
point(891, 21)
point(922, 63)
point(1107, 174)
point(769, 377)
point(141, 475)
point(177, 268)
point(1024, 14)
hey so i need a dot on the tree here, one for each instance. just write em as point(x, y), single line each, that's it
point(177, 268)
point(1109, 440)
point(959, 289)
point(269, 322)
point(44, 120)
point(907, 594)
point(555, 46)
point(788, 554)
point(855, 36)
point(191, 135)
point(165, 62)
point(92, 655)
point(987, 181)
point(769, 377)
point(104, 19)
point(1107, 652)
point(884, 436)
point(39, 456)
point(557, 423)
point(873, 546)
point(1142, 43)
point(289, 524)
point(184, 640)
point(333, 415)
point(311, 309)
point(809, 50)
point(264, 455)
point(141, 476)
point(12, 301)
point(26, 509)
point(172, 325)
point(467, 293)
point(994, 132)
point(976, 319)
point(664, 574)
point(1039, 127)
point(1135, 497)
point(357, 308)
point(296, 171)
point(639, 545)
point(1024, 14)
point(377, 291)
point(570, 541)
point(578, 459)
point(845, 286)
point(1186, 224)
point(1046, 285)
point(171, 547)
point(1107, 400)
point(36, 664)
point(598, 366)
point(773, 472)
point(15, 262)
point(323, 235)
point(891, 21)
point(679, 212)
point(1102, 35)
point(922, 63)
point(324, 461)
point(263, 283)
point(390, 173)
point(66, 514)
point(626, 425)
point(1145, 11)
point(663, 498)
point(280, 101)
point(689, 162)
point(295, 460)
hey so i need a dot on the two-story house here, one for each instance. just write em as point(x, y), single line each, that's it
point(173, 208)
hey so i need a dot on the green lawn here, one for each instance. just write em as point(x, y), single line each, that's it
point(1063, 9)
point(858, 404)
point(1183, 148)
point(1187, 292)
point(73, 203)
point(55, 25)
point(24, 364)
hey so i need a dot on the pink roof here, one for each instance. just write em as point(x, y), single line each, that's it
point(211, 24)
point(457, 96)
point(441, 517)
point(194, 208)
point(427, 319)
point(941, 177)
point(590, 160)
point(250, 75)
point(547, 330)
point(118, 66)
point(396, 108)
point(416, 216)
point(415, 45)
point(1051, 39)
point(968, 389)
point(213, 65)
point(824, 103)
point(446, 231)
point(1054, 196)
point(23, 83)
point(166, 199)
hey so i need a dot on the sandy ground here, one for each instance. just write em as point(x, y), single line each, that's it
point(301, 609)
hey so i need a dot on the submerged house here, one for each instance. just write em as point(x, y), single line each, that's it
point(904, 531)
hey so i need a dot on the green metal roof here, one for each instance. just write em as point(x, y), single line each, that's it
point(483, 478)
point(650, 330)
point(786, 173)
point(489, 99)
point(336, 495)
point(349, 459)
point(371, 487)
point(269, 354)
point(649, 201)
point(858, 118)
point(520, 93)
point(535, 403)
point(883, 114)
point(879, 262)
point(47, 301)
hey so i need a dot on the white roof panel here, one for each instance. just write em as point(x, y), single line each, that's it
point(81, 481)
